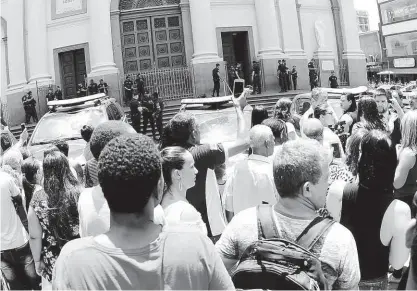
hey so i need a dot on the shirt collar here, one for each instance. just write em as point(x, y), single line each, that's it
point(259, 158)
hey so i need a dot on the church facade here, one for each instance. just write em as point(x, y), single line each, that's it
point(66, 42)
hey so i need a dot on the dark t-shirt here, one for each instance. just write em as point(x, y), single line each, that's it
point(50, 96)
point(216, 75)
point(134, 104)
point(93, 89)
point(206, 157)
point(58, 94)
point(333, 81)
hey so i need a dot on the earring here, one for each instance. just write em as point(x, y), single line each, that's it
point(180, 185)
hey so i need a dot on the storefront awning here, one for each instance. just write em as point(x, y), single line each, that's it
point(408, 71)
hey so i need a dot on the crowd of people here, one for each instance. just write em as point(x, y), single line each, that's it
point(142, 215)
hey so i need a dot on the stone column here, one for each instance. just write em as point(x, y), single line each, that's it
point(292, 41)
point(101, 46)
point(270, 50)
point(204, 38)
point(15, 37)
point(187, 30)
point(353, 56)
point(37, 42)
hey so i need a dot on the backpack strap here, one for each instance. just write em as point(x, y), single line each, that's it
point(313, 232)
point(266, 225)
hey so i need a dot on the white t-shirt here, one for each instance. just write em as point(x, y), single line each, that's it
point(251, 184)
point(94, 213)
point(183, 213)
point(13, 234)
point(336, 248)
point(291, 128)
point(333, 140)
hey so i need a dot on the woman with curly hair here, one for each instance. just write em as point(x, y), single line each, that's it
point(368, 115)
point(282, 111)
point(53, 215)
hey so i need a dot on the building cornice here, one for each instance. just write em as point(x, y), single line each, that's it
point(231, 2)
point(68, 20)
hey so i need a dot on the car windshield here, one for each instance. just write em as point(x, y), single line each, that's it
point(66, 126)
point(219, 126)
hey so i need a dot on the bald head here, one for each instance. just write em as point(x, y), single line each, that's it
point(262, 140)
point(313, 129)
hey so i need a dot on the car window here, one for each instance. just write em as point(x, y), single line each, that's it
point(302, 105)
point(113, 112)
point(66, 125)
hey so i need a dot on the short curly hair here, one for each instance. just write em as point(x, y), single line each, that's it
point(181, 127)
point(129, 169)
point(105, 132)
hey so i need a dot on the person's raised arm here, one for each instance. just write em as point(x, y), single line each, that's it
point(241, 143)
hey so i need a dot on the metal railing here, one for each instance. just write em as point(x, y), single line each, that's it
point(343, 75)
point(171, 84)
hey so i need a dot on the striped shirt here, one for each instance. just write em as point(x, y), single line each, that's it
point(91, 173)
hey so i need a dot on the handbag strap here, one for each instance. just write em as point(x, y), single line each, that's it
point(313, 232)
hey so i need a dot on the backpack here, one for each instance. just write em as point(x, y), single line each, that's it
point(278, 264)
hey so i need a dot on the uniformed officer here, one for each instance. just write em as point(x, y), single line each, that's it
point(283, 76)
point(231, 76)
point(256, 78)
point(135, 113)
point(103, 87)
point(148, 113)
point(50, 96)
point(92, 88)
point(58, 93)
point(128, 89)
point(29, 105)
point(158, 111)
point(216, 80)
point(279, 74)
point(81, 90)
point(294, 75)
point(333, 81)
point(287, 75)
point(314, 79)
point(140, 86)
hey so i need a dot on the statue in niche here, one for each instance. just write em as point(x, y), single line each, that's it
point(320, 31)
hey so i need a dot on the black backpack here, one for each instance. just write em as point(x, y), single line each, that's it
point(272, 263)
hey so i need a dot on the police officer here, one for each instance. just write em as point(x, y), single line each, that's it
point(135, 113)
point(140, 86)
point(314, 79)
point(58, 93)
point(103, 87)
point(29, 105)
point(92, 88)
point(81, 90)
point(128, 89)
point(283, 76)
point(158, 111)
point(216, 80)
point(287, 75)
point(148, 113)
point(256, 78)
point(279, 74)
point(294, 75)
point(50, 96)
point(333, 81)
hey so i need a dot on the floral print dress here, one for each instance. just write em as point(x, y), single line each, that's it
point(50, 247)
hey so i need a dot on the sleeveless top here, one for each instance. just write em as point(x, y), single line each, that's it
point(410, 186)
point(373, 255)
point(51, 248)
point(173, 216)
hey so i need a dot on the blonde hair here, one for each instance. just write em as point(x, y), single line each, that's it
point(409, 130)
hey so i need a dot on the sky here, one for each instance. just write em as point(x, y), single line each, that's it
point(372, 8)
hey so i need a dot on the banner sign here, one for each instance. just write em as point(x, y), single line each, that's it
point(65, 8)
point(404, 63)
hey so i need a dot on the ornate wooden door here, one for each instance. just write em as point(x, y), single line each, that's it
point(168, 41)
point(137, 45)
point(80, 70)
point(68, 74)
point(152, 42)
